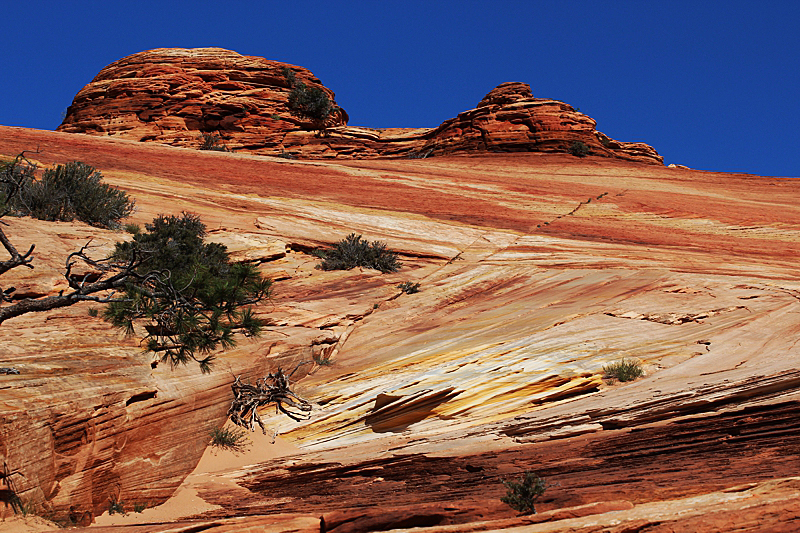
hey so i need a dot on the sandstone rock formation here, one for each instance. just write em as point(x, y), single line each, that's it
point(536, 270)
point(172, 95)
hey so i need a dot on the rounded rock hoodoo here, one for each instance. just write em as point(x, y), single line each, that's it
point(173, 95)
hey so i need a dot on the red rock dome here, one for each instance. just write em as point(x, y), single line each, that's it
point(171, 95)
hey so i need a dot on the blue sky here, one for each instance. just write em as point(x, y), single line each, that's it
point(711, 85)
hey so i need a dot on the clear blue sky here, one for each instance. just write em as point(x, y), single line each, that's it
point(711, 85)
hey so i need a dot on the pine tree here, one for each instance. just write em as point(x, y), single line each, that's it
point(189, 296)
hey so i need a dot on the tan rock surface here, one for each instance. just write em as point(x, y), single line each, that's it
point(172, 95)
point(535, 270)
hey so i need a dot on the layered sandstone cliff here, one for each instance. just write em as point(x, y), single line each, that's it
point(172, 95)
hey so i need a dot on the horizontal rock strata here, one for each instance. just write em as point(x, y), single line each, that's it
point(172, 96)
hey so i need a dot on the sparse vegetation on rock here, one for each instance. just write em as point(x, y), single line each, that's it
point(409, 287)
point(64, 193)
point(579, 149)
point(283, 154)
point(354, 251)
point(213, 142)
point(116, 507)
point(422, 154)
point(234, 440)
point(188, 294)
point(624, 370)
point(71, 189)
point(322, 360)
point(522, 495)
point(309, 103)
point(14, 175)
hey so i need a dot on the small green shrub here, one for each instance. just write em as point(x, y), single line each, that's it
point(213, 142)
point(139, 507)
point(286, 155)
point(312, 104)
point(234, 440)
point(93, 311)
point(116, 507)
point(522, 495)
point(408, 287)
point(67, 192)
point(22, 507)
point(579, 149)
point(624, 370)
point(353, 251)
point(133, 229)
point(322, 361)
point(15, 176)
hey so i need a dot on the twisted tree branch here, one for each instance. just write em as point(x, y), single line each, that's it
point(274, 388)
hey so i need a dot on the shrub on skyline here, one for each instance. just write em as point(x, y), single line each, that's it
point(310, 103)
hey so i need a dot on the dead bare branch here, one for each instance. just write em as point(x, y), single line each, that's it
point(107, 276)
point(274, 388)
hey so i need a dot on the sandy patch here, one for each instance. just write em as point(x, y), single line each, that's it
point(26, 524)
point(186, 502)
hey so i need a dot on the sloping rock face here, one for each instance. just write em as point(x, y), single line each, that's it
point(173, 95)
point(535, 270)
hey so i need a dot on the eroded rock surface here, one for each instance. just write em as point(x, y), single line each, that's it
point(535, 271)
point(172, 95)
